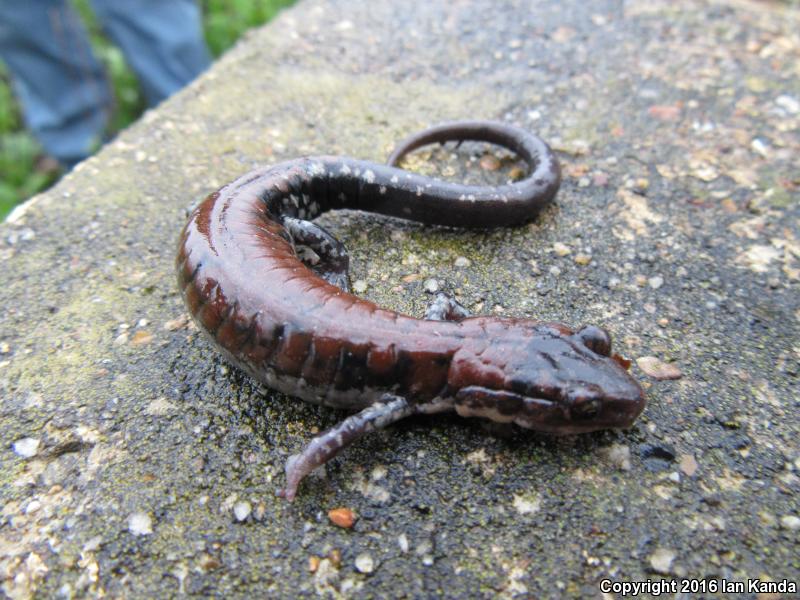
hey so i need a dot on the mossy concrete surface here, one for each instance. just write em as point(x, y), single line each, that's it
point(137, 463)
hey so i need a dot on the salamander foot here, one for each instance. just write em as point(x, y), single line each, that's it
point(320, 250)
point(446, 308)
point(329, 443)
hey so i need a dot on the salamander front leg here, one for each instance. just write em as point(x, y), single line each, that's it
point(317, 247)
point(446, 308)
point(329, 443)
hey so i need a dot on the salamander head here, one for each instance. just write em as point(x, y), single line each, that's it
point(546, 377)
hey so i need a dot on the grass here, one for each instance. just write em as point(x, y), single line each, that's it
point(23, 170)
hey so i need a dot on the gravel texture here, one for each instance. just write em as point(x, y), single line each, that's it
point(136, 463)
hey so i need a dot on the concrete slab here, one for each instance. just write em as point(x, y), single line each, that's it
point(136, 463)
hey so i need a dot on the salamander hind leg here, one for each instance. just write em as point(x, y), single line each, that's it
point(322, 252)
point(329, 443)
point(446, 308)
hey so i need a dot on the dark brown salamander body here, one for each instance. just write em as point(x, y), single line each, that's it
point(270, 288)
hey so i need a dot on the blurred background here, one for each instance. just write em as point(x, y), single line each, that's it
point(26, 170)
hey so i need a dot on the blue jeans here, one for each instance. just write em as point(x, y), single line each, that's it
point(65, 94)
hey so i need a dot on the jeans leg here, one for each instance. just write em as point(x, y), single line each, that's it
point(162, 40)
point(63, 89)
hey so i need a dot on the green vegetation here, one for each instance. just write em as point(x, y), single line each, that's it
point(24, 170)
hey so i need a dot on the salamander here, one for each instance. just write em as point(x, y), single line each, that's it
point(270, 289)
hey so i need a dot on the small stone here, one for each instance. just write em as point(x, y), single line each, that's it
point(527, 504)
point(790, 522)
point(140, 523)
point(462, 261)
point(93, 545)
point(177, 323)
point(5, 348)
point(675, 477)
point(619, 455)
point(756, 84)
point(241, 510)
point(342, 517)
point(767, 518)
point(789, 104)
point(561, 249)
point(516, 173)
point(729, 206)
point(583, 259)
point(759, 257)
point(208, 562)
point(313, 563)
point(655, 282)
point(159, 407)
point(563, 34)
point(431, 286)
point(364, 563)
point(23, 235)
point(335, 557)
point(661, 560)
point(33, 571)
point(26, 447)
point(359, 286)
point(489, 162)
point(665, 113)
point(658, 369)
point(402, 541)
point(688, 464)
point(760, 148)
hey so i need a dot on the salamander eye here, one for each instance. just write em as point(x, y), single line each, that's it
point(595, 339)
point(583, 403)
